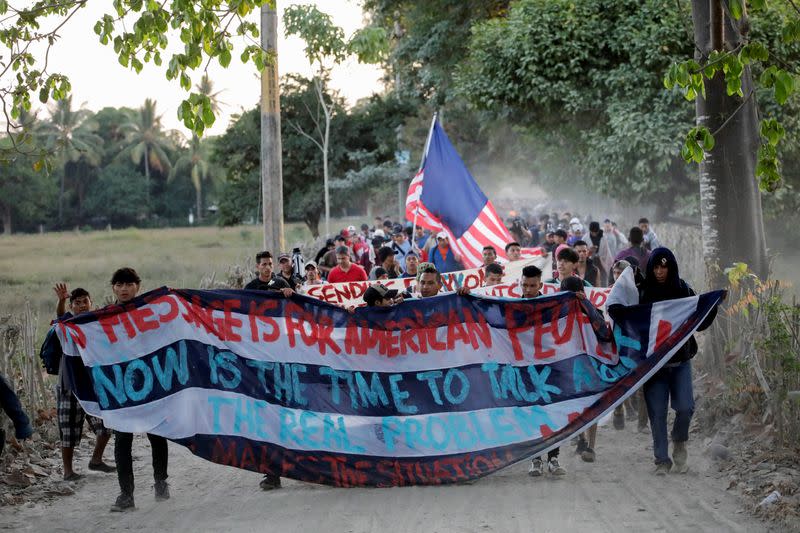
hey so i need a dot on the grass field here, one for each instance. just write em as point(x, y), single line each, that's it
point(180, 257)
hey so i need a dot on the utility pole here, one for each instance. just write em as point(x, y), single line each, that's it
point(271, 165)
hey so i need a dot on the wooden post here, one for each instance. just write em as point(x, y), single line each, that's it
point(271, 165)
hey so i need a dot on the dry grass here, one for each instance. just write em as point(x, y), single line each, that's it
point(180, 257)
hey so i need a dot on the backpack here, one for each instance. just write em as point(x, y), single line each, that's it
point(50, 353)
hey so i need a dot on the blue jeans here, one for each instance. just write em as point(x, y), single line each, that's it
point(10, 404)
point(669, 386)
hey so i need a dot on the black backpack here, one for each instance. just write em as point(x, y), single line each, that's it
point(50, 353)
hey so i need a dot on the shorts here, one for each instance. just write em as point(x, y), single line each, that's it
point(70, 419)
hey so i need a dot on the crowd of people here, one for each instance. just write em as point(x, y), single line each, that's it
point(584, 254)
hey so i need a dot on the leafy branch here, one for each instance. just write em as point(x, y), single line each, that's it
point(691, 77)
point(139, 32)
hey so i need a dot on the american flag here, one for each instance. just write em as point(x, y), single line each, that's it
point(443, 196)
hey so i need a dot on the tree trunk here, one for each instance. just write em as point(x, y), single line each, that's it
point(730, 202)
point(271, 165)
point(61, 196)
point(311, 219)
point(199, 200)
point(6, 209)
point(147, 178)
point(325, 143)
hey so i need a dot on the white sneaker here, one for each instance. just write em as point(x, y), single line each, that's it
point(537, 468)
point(554, 468)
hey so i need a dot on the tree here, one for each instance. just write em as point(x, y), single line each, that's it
point(737, 149)
point(139, 32)
point(580, 82)
point(195, 161)
point(237, 152)
point(118, 195)
point(148, 143)
point(72, 135)
point(733, 225)
point(429, 40)
point(25, 193)
point(326, 45)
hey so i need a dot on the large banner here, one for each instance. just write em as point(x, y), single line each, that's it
point(350, 293)
point(431, 391)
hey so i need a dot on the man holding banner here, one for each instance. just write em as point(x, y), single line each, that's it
point(530, 283)
point(125, 285)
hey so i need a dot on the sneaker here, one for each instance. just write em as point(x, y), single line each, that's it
point(679, 456)
point(619, 420)
point(554, 468)
point(124, 503)
point(537, 468)
point(582, 445)
point(662, 469)
point(270, 482)
point(162, 490)
point(588, 455)
point(102, 467)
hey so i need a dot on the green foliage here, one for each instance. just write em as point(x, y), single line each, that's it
point(25, 193)
point(429, 39)
point(326, 42)
point(755, 52)
point(139, 32)
point(580, 84)
point(698, 141)
point(237, 151)
point(118, 196)
point(360, 161)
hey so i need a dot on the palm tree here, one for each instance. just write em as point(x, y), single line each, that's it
point(195, 161)
point(71, 133)
point(206, 88)
point(148, 142)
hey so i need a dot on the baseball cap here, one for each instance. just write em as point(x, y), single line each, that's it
point(377, 241)
point(377, 292)
point(397, 229)
point(310, 264)
point(283, 256)
point(380, 233)
point(441, 235)
point(351, 229)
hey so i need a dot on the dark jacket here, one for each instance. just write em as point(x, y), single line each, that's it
point(651, 291)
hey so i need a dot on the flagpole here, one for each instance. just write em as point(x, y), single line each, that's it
point(421, 166)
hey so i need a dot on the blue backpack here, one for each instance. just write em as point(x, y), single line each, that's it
point(50, 353)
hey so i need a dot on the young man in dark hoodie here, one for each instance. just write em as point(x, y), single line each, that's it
point(672, 385)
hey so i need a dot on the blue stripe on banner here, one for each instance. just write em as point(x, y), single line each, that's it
point(187, 364)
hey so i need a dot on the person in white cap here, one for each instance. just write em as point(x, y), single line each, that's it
point(312, 277)
point(443, 256)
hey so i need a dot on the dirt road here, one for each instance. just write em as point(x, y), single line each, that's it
point(617, 493)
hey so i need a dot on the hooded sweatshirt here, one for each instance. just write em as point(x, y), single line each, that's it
point(673, 288)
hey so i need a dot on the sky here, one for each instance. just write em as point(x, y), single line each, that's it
point(98, 80)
